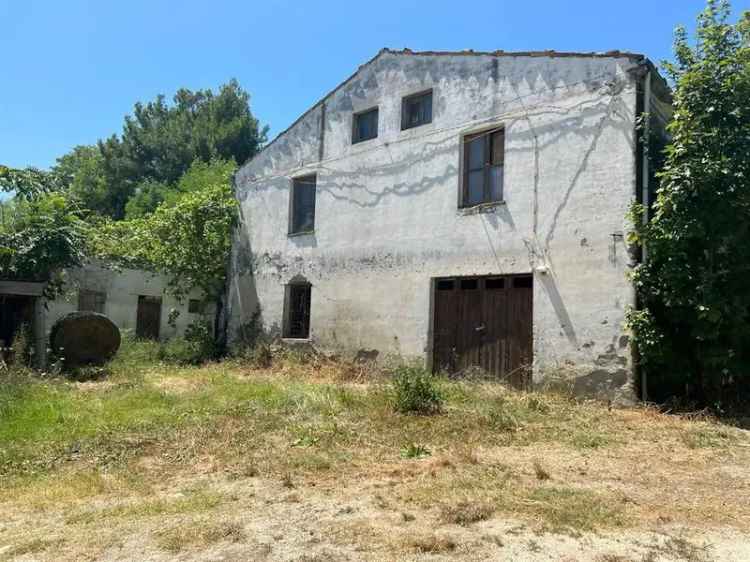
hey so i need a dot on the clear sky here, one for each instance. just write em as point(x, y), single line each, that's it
point(70, 70)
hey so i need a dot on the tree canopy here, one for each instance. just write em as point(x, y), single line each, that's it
point(692, 330)
point(41, 228)
point(168, 173)
point(187, 238)
point(131, 174)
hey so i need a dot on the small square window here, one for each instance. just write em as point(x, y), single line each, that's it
point(365, 125)
point(195, 306)
point(483, 165)
point(469, 284)
point(91, 301)
point(303, 205)
point(416, 110)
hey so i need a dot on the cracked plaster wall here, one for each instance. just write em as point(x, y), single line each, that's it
point(387, 220)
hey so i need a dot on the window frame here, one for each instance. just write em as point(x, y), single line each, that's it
point(298, 182)
point(290, 289)
point(356, 139)
point(98, 299)
point(404, 106)
point(486, 167)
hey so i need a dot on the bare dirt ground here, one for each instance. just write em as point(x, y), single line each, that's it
point(316, 470)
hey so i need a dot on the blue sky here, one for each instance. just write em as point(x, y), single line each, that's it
point(70, 71)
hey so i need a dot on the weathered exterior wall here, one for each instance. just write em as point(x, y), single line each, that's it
point(387, 219)
point(123, 287)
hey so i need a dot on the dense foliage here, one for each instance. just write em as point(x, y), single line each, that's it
point(134, 172)
point(692, 329)
point(187, 238)
point(41, 231)
point(168, 174)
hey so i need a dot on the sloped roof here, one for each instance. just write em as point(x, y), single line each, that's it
point(636, 57)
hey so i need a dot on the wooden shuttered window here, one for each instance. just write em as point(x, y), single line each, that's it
point(484, 162)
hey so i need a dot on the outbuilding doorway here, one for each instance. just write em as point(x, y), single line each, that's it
point(148, 318)
point(484, 322)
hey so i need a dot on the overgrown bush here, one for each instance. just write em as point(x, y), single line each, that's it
point(415, 391)
point(21, 349)
point(195, 347)
point(692, 326)
point(260, 356)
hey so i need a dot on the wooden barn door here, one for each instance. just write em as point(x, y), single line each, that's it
point(484, 322)
point(148, 318)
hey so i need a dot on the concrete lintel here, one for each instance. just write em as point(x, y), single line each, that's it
point(21, 288)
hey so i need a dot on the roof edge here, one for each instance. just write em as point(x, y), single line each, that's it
point(550, 53)
point(636, 57)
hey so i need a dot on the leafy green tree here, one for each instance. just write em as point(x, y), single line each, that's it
point(83, 172)
point(148, 195)
point(160, 142)
point(188, 239)
point(28, 183)
point(692, 329)
point(41, 230)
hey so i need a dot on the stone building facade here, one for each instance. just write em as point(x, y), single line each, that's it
point(464, 208)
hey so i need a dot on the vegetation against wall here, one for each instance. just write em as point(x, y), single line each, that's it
point(41, 229)
point(692, 331)
point(169, 174)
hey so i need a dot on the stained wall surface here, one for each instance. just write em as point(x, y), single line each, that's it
point(388, 220)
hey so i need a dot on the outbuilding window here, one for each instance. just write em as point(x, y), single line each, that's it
point(91, 301)
point(303, 205)
point(365, 125)
point(416, 110)
point(297, 314)
point(484, 159)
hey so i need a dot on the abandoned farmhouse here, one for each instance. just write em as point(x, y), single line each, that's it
point(467, 209)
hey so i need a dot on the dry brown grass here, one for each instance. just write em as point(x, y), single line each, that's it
point(431, 543)
point(467, 512)
point(200, 533)
point(250, 447)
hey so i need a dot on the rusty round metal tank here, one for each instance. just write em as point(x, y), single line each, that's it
point(85, 338)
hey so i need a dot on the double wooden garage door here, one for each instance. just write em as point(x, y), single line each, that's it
point(484, 322)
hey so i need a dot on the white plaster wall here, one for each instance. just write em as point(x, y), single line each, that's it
point(122, 287)
point(387, 219)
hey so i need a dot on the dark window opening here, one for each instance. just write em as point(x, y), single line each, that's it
point(195, 306)
point(365, 125)
point(484, 161)
point(445, 285)
point(91, 301)
point(469, 284)
point(416, 110)
point(522, 282)
point(494, 283)
point(298, 314)
point(303, 205)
